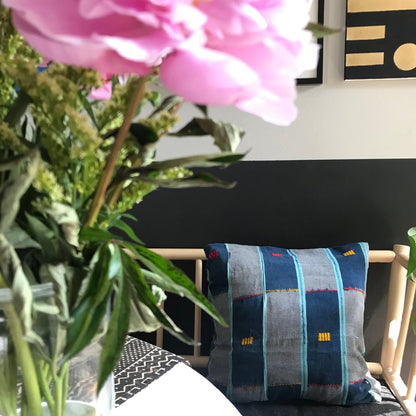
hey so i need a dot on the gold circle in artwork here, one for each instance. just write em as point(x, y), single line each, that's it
point(405, 57)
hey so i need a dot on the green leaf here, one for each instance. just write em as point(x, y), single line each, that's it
point(154, 98)
point(115, 267)
point(19, 238)
point(412, 257)
point(227, 135)
point(15, 186)
point(141, 317)
point(89, 109)
point(11, 270)
point(116, 332)
point(202, 108)
point(67, 218)
point(197, 180)
point(55, 247)
point(199, 161)
point(192, 128)
point(129, 216)
point(57, 275)
point(319, 31)
point(142, 293)
point(170, 103)
point(91, 316)
point(143, 134)
point(91, 309)
point(96, 235)
point(127, 229)
point(173, 276)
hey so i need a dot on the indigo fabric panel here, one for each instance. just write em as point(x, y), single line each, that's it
point(342, 334)
point(353, 265)
point(247, 357)
point(217, 255)
point(323, 340)
point(219, 358)
point(279, 269)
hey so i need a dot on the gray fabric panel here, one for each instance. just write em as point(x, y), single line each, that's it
point(354, 313)
point(327, 394)
point(218, 364)
point(244, 262)
point(318, 272)
point(254, 394)
point(283, 333)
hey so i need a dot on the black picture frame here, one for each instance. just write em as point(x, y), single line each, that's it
point(317, 75)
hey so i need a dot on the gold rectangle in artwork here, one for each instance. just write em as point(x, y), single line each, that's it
point(360, 6)
point(366, 32)
point(364, 59)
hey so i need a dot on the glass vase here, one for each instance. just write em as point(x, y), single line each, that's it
point(34, 381)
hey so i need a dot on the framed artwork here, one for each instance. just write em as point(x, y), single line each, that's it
point(380, 39)
point(314, 76)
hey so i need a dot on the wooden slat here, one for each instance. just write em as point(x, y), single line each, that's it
point(395, 303)
point(375, 256)
point(375, 368)
point(411, 381)
point(404, 327)
point(399, 390)
point(181, 253)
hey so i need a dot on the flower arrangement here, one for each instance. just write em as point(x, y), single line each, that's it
point(79, 128)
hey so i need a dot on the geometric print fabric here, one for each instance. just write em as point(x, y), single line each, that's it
point(295, 323)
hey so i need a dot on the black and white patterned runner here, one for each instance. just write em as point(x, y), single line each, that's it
point(140, 364)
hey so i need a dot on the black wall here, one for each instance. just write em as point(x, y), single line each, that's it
point(294, 204)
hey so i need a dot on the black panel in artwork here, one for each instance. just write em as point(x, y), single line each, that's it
point(400, 29)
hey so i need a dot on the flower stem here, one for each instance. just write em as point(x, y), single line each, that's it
point(107, 173)
point(24, 358)
point(42, 369)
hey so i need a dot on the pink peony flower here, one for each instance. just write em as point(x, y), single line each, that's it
point(114, 36)
point(245, 53)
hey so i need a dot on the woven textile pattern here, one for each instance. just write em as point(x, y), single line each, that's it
point(296, 323)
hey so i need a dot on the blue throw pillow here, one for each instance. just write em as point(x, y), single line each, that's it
point(295, 323)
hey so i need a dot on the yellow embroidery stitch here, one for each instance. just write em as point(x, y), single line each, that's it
point(247, 341)
point(324, 336)
point(349, 253)
point(282, 290)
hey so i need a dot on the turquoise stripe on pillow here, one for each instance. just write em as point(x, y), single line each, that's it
point(263, 274)
point(364, 249)
point(343, 341)
point(303, 325)
point(230, 311)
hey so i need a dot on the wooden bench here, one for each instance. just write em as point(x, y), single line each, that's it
point(398, 318)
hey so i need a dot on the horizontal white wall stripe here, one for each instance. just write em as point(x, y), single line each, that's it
point(337, 120)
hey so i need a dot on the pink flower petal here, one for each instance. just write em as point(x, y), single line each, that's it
point(209, 77)
point(102, 93)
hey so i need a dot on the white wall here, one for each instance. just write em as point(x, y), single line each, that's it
point(337, 120)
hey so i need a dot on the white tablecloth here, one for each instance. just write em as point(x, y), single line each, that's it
point(181, 391)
